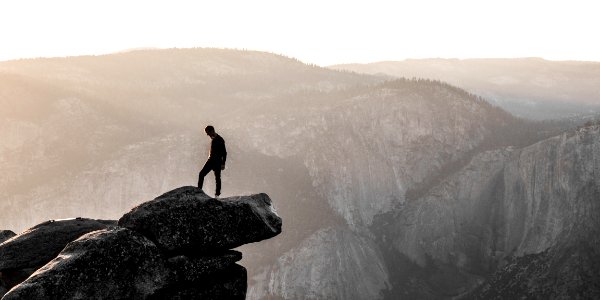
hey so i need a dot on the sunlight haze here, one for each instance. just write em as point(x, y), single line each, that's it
point(317, 32)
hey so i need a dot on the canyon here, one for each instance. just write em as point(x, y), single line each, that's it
point(389, 188)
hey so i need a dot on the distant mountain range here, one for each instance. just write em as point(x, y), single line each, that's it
point(527, 87)
point(389, 188)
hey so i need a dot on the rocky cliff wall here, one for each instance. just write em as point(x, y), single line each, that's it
point(331, 263)
point(504, 204)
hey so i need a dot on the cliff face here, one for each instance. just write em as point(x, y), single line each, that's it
point(551, 192)
point(376, 144)
point(505, 205)
point(331, 263)
point(375, 147)
point(364, 156)
point(503, 213)
point(454, 223)
point(552, 221)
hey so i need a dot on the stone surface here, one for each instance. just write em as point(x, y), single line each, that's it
point(333, 263)
point(571, 272)
point(506, 205)
point(364, 168)
point(38, 245)
point(193, 268)
point(10, 278)
point(451, 223)
point(114, 263)
point(187, 219)
point(5, 235)
point(230, 283)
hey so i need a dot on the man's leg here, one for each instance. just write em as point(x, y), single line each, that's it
point(207, 168)
point(217, 171)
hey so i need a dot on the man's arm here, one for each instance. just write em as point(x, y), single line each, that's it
point(224, 156)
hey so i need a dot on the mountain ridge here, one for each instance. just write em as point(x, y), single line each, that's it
point(530, 88)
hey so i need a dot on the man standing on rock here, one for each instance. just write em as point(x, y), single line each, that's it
point(216, 159)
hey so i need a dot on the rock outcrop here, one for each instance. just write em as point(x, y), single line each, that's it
point(5, 235)
point(117, 262)
point(114, 263)
point(186, 268)
point(22, 254)
point(230, 283)
point(38, 245)
point(187, 219)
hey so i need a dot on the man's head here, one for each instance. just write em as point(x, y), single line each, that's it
point(210, 131)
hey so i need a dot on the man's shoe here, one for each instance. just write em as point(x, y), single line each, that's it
point(217, 195)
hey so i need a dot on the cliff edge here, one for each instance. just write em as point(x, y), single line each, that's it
point(176, 246)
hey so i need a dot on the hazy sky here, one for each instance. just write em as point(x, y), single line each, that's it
point(315, 31)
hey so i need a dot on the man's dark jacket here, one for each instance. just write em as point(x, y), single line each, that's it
point(218, 153)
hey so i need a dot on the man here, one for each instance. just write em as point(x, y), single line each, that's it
point(216, 159)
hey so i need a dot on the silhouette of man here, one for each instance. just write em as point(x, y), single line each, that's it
point(216, 159)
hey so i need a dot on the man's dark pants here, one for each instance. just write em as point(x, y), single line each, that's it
point(215, 166)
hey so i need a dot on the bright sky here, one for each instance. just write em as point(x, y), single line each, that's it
point(314, 31)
